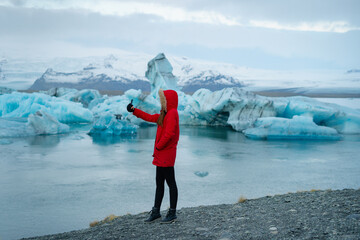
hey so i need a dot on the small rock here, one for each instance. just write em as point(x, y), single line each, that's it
point(201, 174)
point(292, 210)
point(201, 229)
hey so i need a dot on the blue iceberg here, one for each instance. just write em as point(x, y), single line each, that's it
point(299, 127)
point(87, 97)
point(40, 123)
point(109, 125)
point(20, 105)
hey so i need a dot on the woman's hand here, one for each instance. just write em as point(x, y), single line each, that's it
point(130, 107)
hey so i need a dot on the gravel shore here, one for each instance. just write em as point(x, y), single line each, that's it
point(302, 215)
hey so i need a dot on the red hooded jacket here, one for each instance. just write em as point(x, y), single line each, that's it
point(167, 136)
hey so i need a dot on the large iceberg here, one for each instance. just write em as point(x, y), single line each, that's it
point(160, 74)
point(40, 123)
point(299, 127)
point(23, 104)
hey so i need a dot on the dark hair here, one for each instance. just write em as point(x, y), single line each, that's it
point(161, 117)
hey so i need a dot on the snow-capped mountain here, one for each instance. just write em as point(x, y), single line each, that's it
point(102, 75)
point(125, 70)
point(123, 73)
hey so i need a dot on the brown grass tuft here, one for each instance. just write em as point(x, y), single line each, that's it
point(110, 218)
point(314, 190)
point(242, 199)
point(94, 223)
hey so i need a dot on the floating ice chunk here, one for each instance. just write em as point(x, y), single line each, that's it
point(39, 123)
point(87, 97)
point(20, 105)
point(233, 106)
point(343, 119)
point(60, 92)
point(201, 174)
point(44, 123)
point(159, 73)
point(109, 125)
point(13, 127)
point(299, 127)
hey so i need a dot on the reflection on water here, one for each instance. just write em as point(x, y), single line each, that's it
point(112, 139)
point(59, 183)
point(44, 140)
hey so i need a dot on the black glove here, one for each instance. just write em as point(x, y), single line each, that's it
point(129, 106)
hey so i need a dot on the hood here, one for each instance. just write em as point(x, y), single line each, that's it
point(168, 99)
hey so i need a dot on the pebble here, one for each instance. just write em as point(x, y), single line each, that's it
point(273, 229)
point(201, 229)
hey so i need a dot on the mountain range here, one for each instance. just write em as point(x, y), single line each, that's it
point(118, 73)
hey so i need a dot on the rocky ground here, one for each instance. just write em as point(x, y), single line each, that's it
point(303, 215)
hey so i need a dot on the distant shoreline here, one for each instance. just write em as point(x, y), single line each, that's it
point(266, 93)
point(302, 215)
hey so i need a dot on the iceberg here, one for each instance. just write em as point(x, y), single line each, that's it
point(345, 120)
point(44, 123)
point(233, 106)
point(40, 123)
point(18, 105)
point(160, 74)
point(109, 125)
point(201, 173)
point(87, 97)
point(299, 127)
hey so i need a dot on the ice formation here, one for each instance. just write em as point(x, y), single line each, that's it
point(108, 125)
point(40, 123)
point(44, 123)
point(23, 104)
point(160, 74)
point(87, 97)
point(201, 173)
point(240, 109)
point(299, 127)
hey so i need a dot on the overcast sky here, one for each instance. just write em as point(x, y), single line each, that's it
point(275, 34)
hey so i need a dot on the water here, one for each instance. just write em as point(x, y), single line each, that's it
point(52, 184)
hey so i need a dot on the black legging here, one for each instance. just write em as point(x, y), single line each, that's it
point(168, 174)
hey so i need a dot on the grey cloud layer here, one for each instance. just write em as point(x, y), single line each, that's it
point(31, 28)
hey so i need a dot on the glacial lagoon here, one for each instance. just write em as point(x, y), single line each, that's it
point(56, 183)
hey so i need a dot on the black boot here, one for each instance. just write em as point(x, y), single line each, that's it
point(154, 214)
point(170, 216)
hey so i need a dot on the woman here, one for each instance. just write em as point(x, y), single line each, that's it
point(167, 137)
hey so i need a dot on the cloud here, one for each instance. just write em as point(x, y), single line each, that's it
point(173, 13)
point(336, 27)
